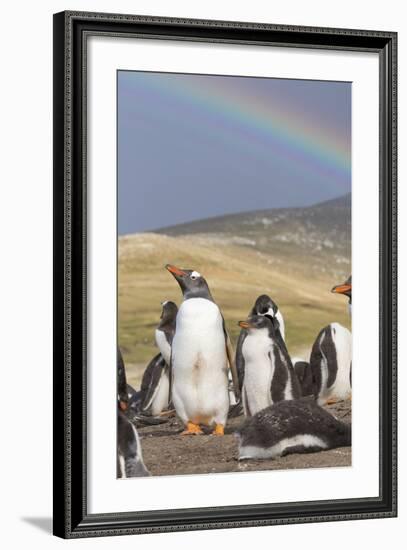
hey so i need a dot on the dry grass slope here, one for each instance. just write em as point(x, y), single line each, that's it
point(236, 274)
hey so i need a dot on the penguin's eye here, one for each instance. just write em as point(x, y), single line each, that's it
point(193, 277)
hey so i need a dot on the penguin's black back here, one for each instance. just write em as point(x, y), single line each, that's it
point(240, 363)
point(324, 349)
point(287, 419)
point(284, 364)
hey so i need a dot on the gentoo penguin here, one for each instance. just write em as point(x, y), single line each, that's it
point(346, 289)
point(299, 426)
point(330, 361)
point(129, 456)
point(303, 371)
point(268, 375)
point(122, 394)
point(135, 399)
point(166, 329)
point(134, 403)
point(201, 350)
point(263, 305)
point(155, 386)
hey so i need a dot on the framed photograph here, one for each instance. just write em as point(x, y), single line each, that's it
point(224, 274)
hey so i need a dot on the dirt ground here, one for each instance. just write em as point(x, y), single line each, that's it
point(166, 452)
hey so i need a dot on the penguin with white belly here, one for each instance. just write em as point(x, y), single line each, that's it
point(263, 305)
point(269, 375)
point(201, 350)
point(330, 361)
point(346, 290)
point(155, 385)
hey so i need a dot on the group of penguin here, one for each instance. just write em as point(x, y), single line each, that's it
point(197, 373)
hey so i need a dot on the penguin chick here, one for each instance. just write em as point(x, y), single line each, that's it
point(299, 426)
point(331, 360)
point(269, 375)
point(155, 386)
point(263, 305)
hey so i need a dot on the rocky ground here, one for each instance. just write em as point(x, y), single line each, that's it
point(166, 452)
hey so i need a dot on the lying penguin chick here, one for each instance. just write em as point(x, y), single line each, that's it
point(346, 290)
point(331, 360)
point(165, 331)
point(303, 372)
point(269, 376)
point(263, 305)
point(299, 426)
point(129, 455)
point(155, 386)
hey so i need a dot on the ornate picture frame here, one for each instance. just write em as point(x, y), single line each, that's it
point(72, 31)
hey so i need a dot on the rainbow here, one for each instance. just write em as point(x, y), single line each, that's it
point(248, 118)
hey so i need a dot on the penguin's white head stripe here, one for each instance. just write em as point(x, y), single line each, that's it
point(164, 303)
point(270, 312)
point(195, 275)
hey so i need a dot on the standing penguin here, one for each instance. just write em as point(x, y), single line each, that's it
point(200, 353)
point(330, 361)
point(155, 384)
point(263, 305)
point(121, 380)
point(269, 375)
point(287, 427)
point(165, 331)
point(346, 289)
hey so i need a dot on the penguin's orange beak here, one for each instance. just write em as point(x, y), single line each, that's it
point(341, 289)
point(244, 324)
point(175, 270)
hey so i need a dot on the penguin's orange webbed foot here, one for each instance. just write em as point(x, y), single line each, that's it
point(192, 429)
point(219, 429)
point(331, 401)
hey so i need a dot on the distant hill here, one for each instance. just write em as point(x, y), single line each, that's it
point(318, 235)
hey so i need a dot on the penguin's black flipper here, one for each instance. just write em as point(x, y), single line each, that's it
point(323, 352)
point(240, 363)
point(231, 359)
point(151, 380)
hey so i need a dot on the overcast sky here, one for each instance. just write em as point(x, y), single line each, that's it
point(196, 146)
